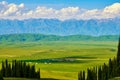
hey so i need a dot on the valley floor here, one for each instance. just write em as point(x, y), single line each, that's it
point(60, 60)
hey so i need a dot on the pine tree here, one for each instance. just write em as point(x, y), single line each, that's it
point(80, 75)
point(110, 68)
point(114, 71)
point(83, 75)
point(13, 69)
point(92, 74)
point(28, 71)
point(38, 74)
point(3, 69)
point(104, 72)
point(99, 73)
point(9, 70)
point(118, 53)
point(6, 68)
point(1, 77)
point(118, 59)
point(19, 69)
point(33, 71)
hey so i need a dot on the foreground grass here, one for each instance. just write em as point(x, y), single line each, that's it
point(118, 78)
point(83, 54)
point(29, 79)
point(18, 79)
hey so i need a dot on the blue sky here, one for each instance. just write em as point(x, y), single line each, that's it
point(59, 9)
point(88, 4)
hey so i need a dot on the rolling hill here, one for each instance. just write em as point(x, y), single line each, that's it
point(41, 37)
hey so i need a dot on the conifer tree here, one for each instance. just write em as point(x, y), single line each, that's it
point(13, 69)
point(3, 69)
point(92, 74)
point(38, 74)
point(33, 71)
point(118, 59)
point(6, 69)
point(99, 73)
point(118, 53)
point(19, 69)
point(83, 75)
point(104, 72)
point(110, 68)
point(24, 70)
point(1, 77)
point(80, 75)
point(9, 70)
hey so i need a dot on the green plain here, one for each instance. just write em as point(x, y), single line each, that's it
point(72, 56)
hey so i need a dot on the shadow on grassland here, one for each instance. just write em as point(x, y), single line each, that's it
point(30, 79)
point(49, 79)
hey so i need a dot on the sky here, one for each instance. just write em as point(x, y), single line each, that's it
point(59, 9)
point(89, 4)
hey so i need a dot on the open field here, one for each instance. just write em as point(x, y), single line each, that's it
point(18, 79)
point(118, 78)
point(60, 59)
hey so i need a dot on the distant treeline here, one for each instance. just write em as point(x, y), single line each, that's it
point(104, 72)
point(18, 69)
point(40, 37)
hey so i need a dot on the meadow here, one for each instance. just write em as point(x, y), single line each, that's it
point(60, 60)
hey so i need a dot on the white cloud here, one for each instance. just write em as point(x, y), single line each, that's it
point(112, 11)
point(14, 11)
point(115, 8)
point(21, 5)
point(8, 10)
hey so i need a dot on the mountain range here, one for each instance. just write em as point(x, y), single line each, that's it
point(64, 28)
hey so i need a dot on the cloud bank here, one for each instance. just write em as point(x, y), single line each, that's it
point(14, 11)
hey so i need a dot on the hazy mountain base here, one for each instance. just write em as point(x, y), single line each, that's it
point(40, 37)
point(57, 27)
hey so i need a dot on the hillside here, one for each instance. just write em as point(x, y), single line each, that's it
point(40, 37)
point(57, 27)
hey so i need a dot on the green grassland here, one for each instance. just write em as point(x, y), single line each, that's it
point(118, 78)
point(18, 79)
point(60, 60)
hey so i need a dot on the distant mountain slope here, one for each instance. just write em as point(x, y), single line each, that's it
point(40, 37)
point(57, 27)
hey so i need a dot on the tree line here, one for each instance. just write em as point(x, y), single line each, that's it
point(18, 69)
point(104, 72)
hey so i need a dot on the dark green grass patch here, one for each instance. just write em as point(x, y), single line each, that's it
point(57, 60)
point(10, 78)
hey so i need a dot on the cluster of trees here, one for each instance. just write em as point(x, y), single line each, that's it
point(19, 69)
point(104, 72)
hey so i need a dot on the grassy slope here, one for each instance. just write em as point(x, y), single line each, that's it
point(97, 53)
point(40, 37)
